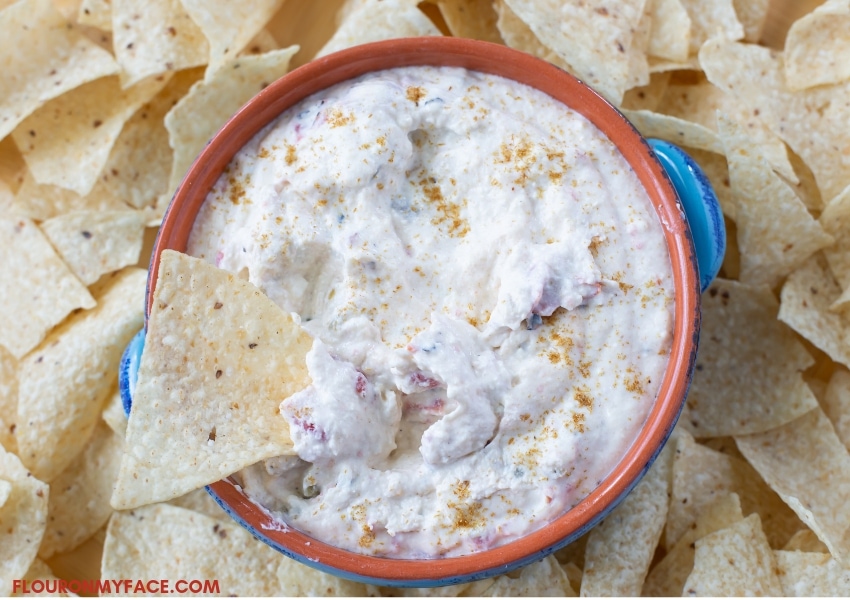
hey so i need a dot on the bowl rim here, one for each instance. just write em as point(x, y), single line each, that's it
point(525, 68)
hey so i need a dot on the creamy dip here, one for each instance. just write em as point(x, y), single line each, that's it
point(490, 297)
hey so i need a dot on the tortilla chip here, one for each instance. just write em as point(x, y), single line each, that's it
point(95, 243)
point(817, 47)
point(573, 552)
point(42, 202)
point(671, 30)
point(152, 37)
point(139, 163)
point(542, 578)
point(96, 13)
point(647, 97)
point(219, 358)
point(806, 540)
point(735, 561)
point(712, 19)
point(209, 104)
point(380, 20)
point(699, 103)
point(836, 214)
point(519, 36)
point(261, 43)
point(229, 26)
point(39, 570)
point(64, 383)
point(807, 296)
point(836, 404)
point(661, 65)
point(8, 400)
point(114, 415)
point(701, 475)
point(620, 549)
point(165, 542)
point(594, 37)
point(809, 467)
point(813, 122)
point(668, 576)
point(12, 165)
point(748, 375)
point(67, 141)
point(79, 498)
point(673, 129)
point(297, 580)
point(200, 501)
point(475, 19)
point(38, 291)
point(776, 233)
point(752, 14)
point(811, 575)
point(43, 57)
point(22, 520)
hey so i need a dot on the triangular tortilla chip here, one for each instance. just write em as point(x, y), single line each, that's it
point(817, 49)
point(229, 26)
point(43, 56)
point(38, 289)
point(219, 358)
point(776, 233)
point(22, 520)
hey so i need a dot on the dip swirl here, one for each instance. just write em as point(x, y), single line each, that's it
point(490, 296)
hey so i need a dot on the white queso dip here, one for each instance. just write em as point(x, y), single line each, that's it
point(490, 297)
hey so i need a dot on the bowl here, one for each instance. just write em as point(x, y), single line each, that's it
point(675, 187)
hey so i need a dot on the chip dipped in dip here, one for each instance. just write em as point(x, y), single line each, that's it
point(490, 296)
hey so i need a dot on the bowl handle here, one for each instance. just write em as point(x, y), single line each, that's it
point(128, 371)
point(702, 209)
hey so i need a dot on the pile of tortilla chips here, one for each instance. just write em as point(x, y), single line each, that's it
point(103, 107)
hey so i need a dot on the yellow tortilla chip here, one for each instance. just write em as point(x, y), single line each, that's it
point(38, 289)
point(735, 561)
point(700, 475)
point(673, 129)
point(165, 542)
point(79, 498)
point(671, 30)
point(806, 540)
point(219, 358)
point(95, 243)
point(475, 19)
point(809, 467)
point(712, 19)
point(67, 141)
point(64, 383)
point(297, 580)
point(139, 163)
point(42, 202)
point(817, 47)
point(152, 37)
point(748, 374)
point(811, 575)
point(22, 520)
point(668, 576)
point(649, 96)
point(593, 37)
point(8, 400)
point(208, 105)
point(776, 233)
point(229, 26)
point(700, 102)
point(377, 20)
point(752, 14)
point(113, 414)
point(621, 548)
point(813, 122)
point(836, 404)
point(807, 296)
point(519, 36)
point(43, 57)
point(542, 578)
point(96, 13)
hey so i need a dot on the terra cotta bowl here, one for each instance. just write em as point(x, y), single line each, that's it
point(675, 187)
